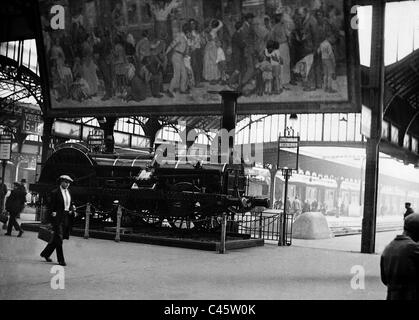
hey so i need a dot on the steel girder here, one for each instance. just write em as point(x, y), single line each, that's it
point(17, 82)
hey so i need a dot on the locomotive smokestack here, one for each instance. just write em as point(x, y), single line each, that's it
point(228, 122)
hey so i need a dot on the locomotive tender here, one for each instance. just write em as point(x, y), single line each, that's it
point(146, 190)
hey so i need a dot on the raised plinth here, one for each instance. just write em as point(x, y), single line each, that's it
point(204, 243)
point(311, 225)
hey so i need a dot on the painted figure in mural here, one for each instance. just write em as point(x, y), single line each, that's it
point(267, 74)
point(161, 11)
point(237, 55)
point(257, 78)
point(137, 81)
point(309, 32)
point(119, 65)
point(211, 71)
point(262, 32)
point(279, 34)
point(143, 48)
point(272, 51)
point(196, 45)
point(117, 17)
point(89, 67)
point(156, 66)
point(179, 48)
point(60, 74)
point(328, 63)
point(248, 34)
point(104, 52)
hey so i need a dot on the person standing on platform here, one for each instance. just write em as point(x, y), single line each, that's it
point(296, 206)
point(14, 205)
point(409, 209)
point(61, 215)
point(399, 263)
point(3, 192)
point(278, 204)
point(306, 206)
point(288, 205)
point(23, 193)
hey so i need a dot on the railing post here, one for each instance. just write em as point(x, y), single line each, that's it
point(223, 234)
point(260, 225)
point(118, 224)
point(87, 222)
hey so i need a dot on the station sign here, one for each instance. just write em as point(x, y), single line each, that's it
point(288, 152)
point(32, 123)
point(5, 146)
point(95, 138)
point(289, 142)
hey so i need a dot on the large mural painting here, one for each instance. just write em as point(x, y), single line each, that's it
point(119, 53)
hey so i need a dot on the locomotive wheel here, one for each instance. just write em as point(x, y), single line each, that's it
point(180, 222)
point(151, 219)
point(182, 211)
point(207, 223)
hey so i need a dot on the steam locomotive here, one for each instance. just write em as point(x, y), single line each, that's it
point(148, 191)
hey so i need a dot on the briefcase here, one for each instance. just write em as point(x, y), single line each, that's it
point(45, 233)
point(3, 218)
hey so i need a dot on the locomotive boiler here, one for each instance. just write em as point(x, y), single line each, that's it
point(148, 192)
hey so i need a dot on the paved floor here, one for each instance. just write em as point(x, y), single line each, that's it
point(102, 269)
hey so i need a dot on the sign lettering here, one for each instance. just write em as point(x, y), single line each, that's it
point(5, 146)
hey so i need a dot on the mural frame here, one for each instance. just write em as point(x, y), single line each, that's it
point(353, 103)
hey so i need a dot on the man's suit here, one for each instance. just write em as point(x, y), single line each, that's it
point(400, 269)
point(408, 211)
point(61, 224)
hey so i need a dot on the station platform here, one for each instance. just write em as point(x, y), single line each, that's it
point(103, 269)
point(343, 225)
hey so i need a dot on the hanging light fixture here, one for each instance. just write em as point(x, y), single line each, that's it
point(101, 120)
point(343, 119)
point(292, 121)
point(293, 118)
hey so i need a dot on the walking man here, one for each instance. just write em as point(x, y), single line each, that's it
point(61, 215)
point(400, 263)
point(14, 205)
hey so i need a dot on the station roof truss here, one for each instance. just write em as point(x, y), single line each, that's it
point(401, 103)
point(17, 82)
point(402, 79)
